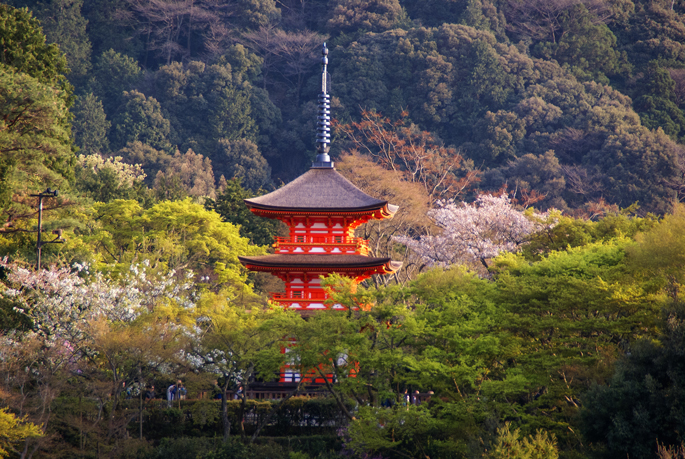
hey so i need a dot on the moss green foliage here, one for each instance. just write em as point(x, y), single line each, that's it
point(500, 104)
point(24, 48)
point(229, 204)
point(140, 119)
point(112, 74)
point(652, 370)
point(509, 445)
point(63, 23)
point(35, 130)
point(177, 234)
point(35, 137)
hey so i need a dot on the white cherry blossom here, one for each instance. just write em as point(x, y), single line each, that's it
point(476, 232)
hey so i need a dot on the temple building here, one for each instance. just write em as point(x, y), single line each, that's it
point(322, 209)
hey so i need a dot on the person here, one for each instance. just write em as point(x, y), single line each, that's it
point(171, 394)
point(150, 393)
point(238, 394)
point(126, 390)
point(217, 393)
point(181, 391)
point(429, 400)
point(417, 399)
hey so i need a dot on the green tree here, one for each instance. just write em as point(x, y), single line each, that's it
point(584, 42)
point(112, 74)
point(24, 48)
point(641, 166)
point(90, 125)
point(204, 103)
point(229, 204)
point(637, 406)
point(644, 400)
point(658, 255)
point(191, 173)
point(107, 29)
point(178, 235)
point(151, 160)
point(64, 25)
point(653, 31)
point(402, 432)
point(104, 180)
point(241, 159)
point(140, 119)
point(656, 105)
point(577, 232)
point(571, 313)
point(356, 353)
point(35, 136)
point(497, 104)
point(364, 15)
point(530, 172)
point(509, 445)
point(240, 340)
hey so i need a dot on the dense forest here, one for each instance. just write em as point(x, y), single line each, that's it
point(536, 149)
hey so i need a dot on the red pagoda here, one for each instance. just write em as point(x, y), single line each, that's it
point(322, 210)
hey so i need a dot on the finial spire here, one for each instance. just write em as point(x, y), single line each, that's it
point(323, 125)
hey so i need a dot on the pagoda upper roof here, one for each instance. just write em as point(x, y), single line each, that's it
point(316, 262)
point(319, 189)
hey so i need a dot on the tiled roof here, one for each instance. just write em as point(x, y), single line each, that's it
point(319, 261)
point(319, 189)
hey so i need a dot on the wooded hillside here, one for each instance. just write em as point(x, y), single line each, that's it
point(536, 149)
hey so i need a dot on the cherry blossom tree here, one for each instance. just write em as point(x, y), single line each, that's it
point(94, 330)
point(473, 233)
point(63, 302)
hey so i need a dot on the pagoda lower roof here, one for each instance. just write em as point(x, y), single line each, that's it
point(319, 190)
point(320, 262)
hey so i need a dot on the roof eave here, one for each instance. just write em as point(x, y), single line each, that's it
point(383, 209)
point(380, 265)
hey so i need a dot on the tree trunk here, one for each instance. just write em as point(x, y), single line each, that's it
point(224, 413)
point(140, 397)
point(274, 410)
point(336, 396)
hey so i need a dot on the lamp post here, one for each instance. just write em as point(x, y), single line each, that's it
point(48, 193)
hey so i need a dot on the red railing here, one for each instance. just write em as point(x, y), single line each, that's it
point(360, 246)
point(299, 296)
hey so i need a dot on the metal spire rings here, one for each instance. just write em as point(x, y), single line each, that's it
point(323, 125)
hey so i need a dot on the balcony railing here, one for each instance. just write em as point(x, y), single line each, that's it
point(299, 296)
point(328, 243)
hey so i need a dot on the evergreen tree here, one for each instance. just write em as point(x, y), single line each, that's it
point(25, 49)
point(241, 159)
point(140, 119)
point(64, 25)
point(90, 126)
point(231, 206)
point(112, 74)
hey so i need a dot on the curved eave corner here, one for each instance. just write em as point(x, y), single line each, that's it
point(390, 210)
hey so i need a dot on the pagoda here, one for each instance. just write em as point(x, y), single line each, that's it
point(322, 209)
